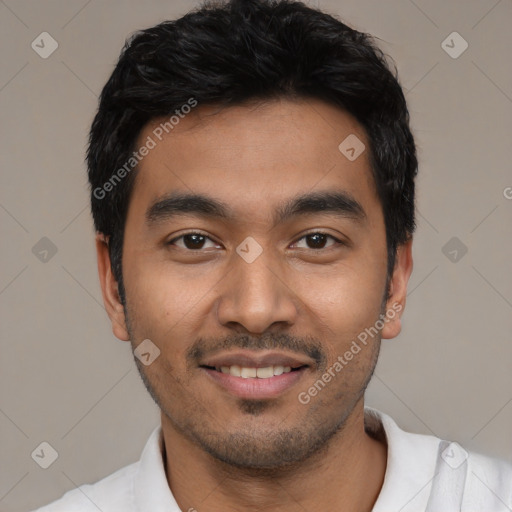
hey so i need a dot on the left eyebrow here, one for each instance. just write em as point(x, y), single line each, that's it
point(339, 203)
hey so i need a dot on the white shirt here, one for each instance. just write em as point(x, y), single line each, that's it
point(423, 474)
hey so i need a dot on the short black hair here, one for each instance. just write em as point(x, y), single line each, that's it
point(227, 53)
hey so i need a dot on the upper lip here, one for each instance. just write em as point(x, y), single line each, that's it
point(251, 359)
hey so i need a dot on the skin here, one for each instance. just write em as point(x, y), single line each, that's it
point(276, 454)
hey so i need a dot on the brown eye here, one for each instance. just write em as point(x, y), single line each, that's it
point(318, 240)
point(191, 241)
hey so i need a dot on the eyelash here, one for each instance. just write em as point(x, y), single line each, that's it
point(339, 242)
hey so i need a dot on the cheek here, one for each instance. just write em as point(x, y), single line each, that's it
point(168, 305)
point(159, 288)
point(354, 286)
point(346, 300)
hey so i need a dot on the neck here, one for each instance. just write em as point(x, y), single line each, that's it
point(349, 471)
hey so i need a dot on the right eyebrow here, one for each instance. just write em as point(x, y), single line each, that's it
point(184, 203)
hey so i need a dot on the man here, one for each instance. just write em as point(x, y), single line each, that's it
point(252, 186)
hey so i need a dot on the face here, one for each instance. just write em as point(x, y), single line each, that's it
point(259, 285)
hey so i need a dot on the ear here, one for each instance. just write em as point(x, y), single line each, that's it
point(109, 289)
point(395, 304)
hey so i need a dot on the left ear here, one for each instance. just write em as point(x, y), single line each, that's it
point(395, 304)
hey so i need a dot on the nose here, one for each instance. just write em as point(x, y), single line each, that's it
point(256, 297)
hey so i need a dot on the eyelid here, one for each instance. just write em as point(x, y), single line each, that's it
point(320, 232)
point(192, 232)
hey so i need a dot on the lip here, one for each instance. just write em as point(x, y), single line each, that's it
point(260, 359)
point(255, 388)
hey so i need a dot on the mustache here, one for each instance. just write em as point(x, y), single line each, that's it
point(304, 345)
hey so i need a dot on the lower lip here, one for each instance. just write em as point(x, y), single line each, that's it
point(254, 388)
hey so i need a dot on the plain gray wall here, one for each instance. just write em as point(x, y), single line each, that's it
point(66, 380)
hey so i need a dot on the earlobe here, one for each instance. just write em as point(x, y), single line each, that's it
point(109, 289)
point(395, 304)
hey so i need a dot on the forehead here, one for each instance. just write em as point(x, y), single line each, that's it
point(251, 154)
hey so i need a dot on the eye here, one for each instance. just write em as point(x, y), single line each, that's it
point(317, 240)
point(195, 241)
point(192, 241)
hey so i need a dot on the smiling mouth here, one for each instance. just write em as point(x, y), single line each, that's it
point(245, 372)
point(256, 375)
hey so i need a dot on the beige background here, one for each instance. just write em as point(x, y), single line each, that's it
point(66, 380)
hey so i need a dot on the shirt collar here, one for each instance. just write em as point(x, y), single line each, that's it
point(410, 467)
point(152, 492)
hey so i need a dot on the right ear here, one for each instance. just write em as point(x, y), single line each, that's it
point(109, 289)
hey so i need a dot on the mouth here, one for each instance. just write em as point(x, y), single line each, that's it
point(255, 375)
point(247, 372)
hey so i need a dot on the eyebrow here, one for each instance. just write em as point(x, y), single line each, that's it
point(339, 203)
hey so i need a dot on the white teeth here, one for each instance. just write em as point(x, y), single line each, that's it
point(251, 373)
point(278, 370)
point(248, 372)
point(235, 370)
point(265, 373)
